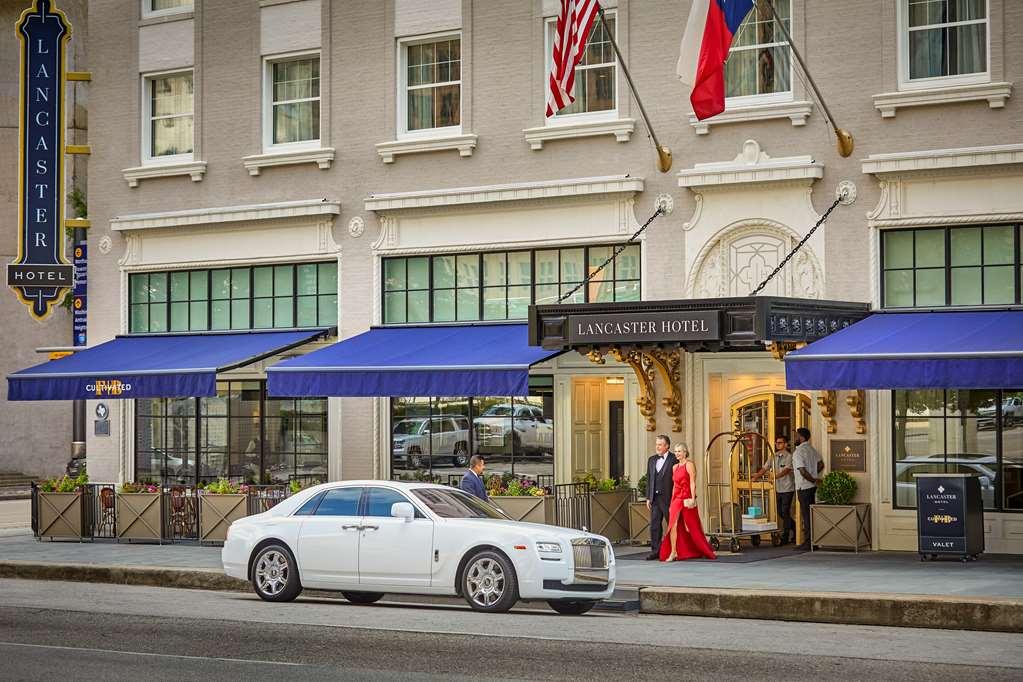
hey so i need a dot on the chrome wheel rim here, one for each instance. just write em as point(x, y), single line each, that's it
point(272, 570)
point(485, 580)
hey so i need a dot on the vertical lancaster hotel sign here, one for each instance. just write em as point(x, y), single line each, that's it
point(41, 275)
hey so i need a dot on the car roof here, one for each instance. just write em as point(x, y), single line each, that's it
point(397, 485)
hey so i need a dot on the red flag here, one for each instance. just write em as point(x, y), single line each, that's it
point(574, 23)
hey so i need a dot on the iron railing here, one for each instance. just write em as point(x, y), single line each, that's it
point(572, 505)
point(265, 497)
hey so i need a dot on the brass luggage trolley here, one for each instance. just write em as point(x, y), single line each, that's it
point(728, 503)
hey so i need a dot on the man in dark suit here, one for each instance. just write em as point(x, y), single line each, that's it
point(659, 485)
point(472, 482)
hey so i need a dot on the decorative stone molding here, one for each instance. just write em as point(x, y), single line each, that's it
point(321, 157)
point(105, 244)
point(485, 194)
point(193, 169)
point(226, 214)
point(828, 402)
point(668, 363)
point(356, 227)
point(846, 192)
point(857, 402)
point(938, 159)
point(796, 112)
point(995, 94)
point(665, 202)
point(621, 128)
point(752, 166)
point(465, 144)
point(642, 366)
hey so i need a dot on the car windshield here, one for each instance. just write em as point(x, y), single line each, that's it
point(454, 504)
point(408, 426)
point(498, 411)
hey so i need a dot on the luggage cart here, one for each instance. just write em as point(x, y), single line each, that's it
point(730, 504)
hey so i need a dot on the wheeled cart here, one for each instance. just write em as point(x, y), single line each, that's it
point(729, 503)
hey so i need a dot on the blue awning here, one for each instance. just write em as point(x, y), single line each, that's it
point(954, 349)
point(458, 360)
point(151, 366)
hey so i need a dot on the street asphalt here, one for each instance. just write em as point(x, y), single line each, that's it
point(111, 632)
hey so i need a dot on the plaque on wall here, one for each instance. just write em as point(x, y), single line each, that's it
point(849, 455)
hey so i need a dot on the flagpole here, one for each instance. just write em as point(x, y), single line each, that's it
point(844, 138)
point(663, 153)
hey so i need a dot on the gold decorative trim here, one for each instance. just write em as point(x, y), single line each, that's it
point(643, 366)
point(857, 402)
point(827, 401)
point(780, 348)
point(669, 363)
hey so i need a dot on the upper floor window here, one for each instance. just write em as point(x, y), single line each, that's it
point(957, 266)
point(430, 90)
point(292, 101)
point(760, 61)
point(596, 75)
point(943, 39)
point(264, 297)
point(162, 7)
point(168, 111)
point(501, 285)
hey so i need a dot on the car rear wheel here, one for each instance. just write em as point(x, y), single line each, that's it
point(363, 597)
point(572, 608)
point(275, 574)
point(489, 583)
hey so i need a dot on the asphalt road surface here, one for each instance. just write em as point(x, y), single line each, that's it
point(85, 631)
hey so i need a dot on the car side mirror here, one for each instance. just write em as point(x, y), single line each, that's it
point(403, 510)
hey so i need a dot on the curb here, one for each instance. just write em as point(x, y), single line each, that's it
point(189, 578)
point(997, 614)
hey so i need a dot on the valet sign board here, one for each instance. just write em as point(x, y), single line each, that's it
point(41, 275)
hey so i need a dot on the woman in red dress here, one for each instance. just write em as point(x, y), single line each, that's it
point(685, 533)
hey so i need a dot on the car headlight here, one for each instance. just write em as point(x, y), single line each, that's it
point(548, 548)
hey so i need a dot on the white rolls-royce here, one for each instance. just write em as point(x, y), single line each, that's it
point(368, 538)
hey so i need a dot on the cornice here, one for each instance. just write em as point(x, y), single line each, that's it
point(752, 166)
point(227, 214)
point(797, 112)
point(621, 128)
point(994, 93)
point(943, 159)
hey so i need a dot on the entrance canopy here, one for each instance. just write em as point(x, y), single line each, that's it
point(150, 366)
point(953, 349)
point(457, 360)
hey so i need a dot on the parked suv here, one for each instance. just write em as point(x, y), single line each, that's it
point(1012, 413)
point(448, 441)
point(503, 425)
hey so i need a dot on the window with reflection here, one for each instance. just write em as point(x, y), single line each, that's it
point(968, 431)
point(433, 438)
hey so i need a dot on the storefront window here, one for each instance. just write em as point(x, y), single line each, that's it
point(977, 432)
point(265, 297)
point(501, 285)
point(239, 434)
point(962, 266)
point(433, 438)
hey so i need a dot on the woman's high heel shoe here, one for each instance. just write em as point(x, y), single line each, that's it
point(671, 557)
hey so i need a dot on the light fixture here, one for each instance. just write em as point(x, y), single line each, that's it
point(611, 381)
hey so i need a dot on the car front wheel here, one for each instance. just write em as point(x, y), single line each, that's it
point(572, 608)
point(489, 583)
point(275, 575)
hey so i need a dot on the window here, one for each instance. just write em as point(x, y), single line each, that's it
point(944, 39)
point(957, 266)
point(501, 285)
point(340, 502)
point(264, 297)
point(152, 8)
point(240, 434)
point(431, 81)
point(596, 75)
point(168, 132)
point(977, 432)
point(292, 102)
point(760, 60)
point(309, 507)
point(380, 501)
point(433, 438)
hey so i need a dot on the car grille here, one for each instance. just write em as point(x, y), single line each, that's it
point(589, 553)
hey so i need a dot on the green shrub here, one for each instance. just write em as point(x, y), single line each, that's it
point(641, 486)
point(838, 487)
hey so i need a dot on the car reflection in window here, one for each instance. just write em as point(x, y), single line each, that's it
point(454, 504)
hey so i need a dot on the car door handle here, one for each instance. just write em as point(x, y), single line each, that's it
point(371, 527)
point(355, 527)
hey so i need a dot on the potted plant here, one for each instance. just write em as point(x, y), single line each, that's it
point(138, 512)
point(836, 522)
point(609, 506)
point(522, 500)
point(639, 515)
point(61, 507)
point(221, 503)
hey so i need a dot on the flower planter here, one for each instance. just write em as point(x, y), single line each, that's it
point(139, 516)
point(639, 523)
point(609, 514)
point(840, 526)
point(527, 508)
point(217, 512)
point(62, 515)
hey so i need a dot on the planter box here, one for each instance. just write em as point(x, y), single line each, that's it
point(139, 516)
point(62, 515)
point(639, 523)
point(609, 514)
point(527, 508)
point(217, 512)
point(840, 526)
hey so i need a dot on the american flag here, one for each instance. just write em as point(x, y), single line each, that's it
point(574, 23)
